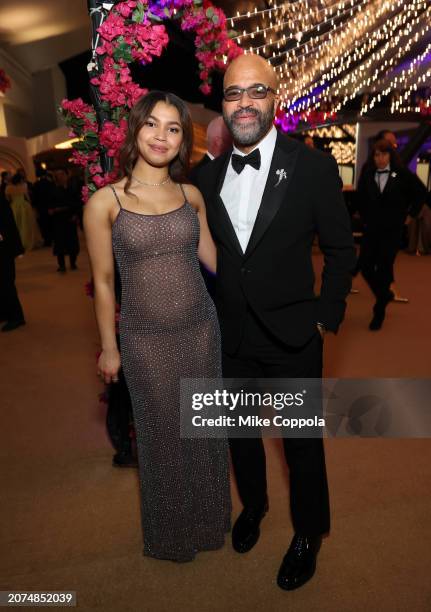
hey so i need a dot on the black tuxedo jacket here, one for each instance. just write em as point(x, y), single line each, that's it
point(204, 161)
point(274, 277)
point(403, 194)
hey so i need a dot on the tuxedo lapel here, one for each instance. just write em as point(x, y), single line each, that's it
point(390, 183)
point(279, 177)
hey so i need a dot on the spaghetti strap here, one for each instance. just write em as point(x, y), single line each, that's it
point(184, 193)
point(116, 196)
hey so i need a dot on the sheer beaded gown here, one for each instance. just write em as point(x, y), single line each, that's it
point(168, 331)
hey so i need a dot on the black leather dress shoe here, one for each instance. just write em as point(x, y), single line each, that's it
point(299, 563)
point(246, 532)
point(379, 311)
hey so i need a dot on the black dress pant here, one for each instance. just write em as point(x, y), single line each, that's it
point(10, 306)
point(261, 355)
point(379, 249)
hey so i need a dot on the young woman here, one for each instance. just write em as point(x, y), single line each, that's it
point(156, 229)
point(388, 192)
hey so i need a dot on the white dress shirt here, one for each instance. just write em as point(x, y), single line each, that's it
point(382, 179)
point(242, 193)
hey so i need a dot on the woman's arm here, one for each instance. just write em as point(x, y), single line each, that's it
point(207, 251)
point(98, 233)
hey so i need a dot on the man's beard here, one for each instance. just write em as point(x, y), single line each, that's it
point(249, 134)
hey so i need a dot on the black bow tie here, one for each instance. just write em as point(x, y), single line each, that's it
point(240, 161)
point(382, 171)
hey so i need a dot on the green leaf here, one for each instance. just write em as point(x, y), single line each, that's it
point(123, 51)
point(209, 13)
point(139, 13)
point(215, 19)
point(80, 146)
point(167, 12)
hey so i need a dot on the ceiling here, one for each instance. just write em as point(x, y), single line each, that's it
point(41, 33)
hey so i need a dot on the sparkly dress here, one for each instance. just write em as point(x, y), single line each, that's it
point(169, 330)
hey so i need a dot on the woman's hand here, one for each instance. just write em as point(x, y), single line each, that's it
point(108, 365)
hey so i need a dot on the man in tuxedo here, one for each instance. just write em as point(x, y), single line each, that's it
point(219, 140)
point(266, 200)
point(388, 194)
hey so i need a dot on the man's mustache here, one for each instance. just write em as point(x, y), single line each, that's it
point(244, 112)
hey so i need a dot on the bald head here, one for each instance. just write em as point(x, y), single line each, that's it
point(252, 67)
point(219, 139)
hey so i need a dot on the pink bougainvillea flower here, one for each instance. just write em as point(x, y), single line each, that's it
point(125, 8)
point(112, 27)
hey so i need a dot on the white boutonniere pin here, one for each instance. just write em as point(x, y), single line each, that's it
point(281, 173)
point(393, 174)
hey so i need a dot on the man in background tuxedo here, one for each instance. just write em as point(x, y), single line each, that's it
point(266, 200)
point(219, 140)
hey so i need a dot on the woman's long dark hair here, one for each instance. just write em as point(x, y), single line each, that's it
point(179, 166)
point(384, 146)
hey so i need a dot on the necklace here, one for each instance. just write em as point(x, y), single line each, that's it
point(166, 180)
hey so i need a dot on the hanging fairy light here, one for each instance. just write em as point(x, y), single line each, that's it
point(326, 53)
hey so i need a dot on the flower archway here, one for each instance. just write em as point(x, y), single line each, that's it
point(133, 31)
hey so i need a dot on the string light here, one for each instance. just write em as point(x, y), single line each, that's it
point(331, 51)
point(362, 47)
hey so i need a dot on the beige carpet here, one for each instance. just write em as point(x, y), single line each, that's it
point(70, 521)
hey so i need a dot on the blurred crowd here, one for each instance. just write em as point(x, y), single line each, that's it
point(46, 213)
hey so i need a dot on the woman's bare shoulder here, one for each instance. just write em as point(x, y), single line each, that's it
point(194, 196)
point(102, 201)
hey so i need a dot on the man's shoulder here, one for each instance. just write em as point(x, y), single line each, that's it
point(210, 171)
point(305, 154)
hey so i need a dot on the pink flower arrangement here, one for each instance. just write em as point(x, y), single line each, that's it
point(116, 86)
point(5, 83)
point(132, 32)
point(112, 136)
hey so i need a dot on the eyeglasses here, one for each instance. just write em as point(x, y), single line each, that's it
point(256, 92)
